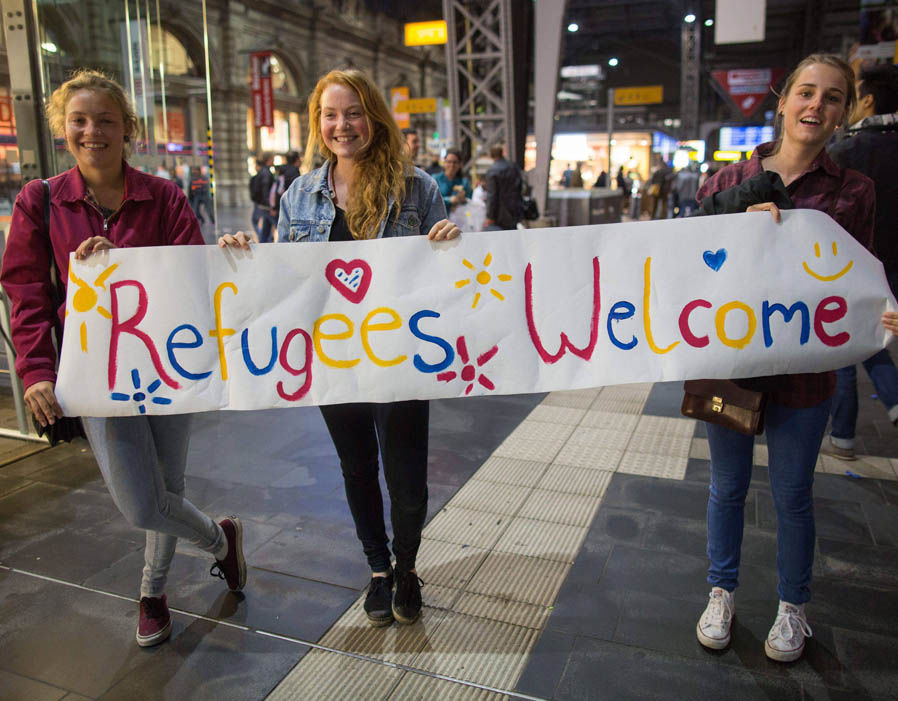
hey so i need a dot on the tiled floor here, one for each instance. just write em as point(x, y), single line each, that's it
point(563, 555)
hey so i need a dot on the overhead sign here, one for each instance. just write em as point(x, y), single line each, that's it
point(747, 88)
point(738, 21)
point(178, 329)
point(639, 95)
point(417, 106)
point(425, 33)
point(260, 85)
point(728, 155)
point(591, 71)
point(398, 95)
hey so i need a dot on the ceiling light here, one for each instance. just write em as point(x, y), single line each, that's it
point(573, 27)
point(709, 22)
point(49, 47)
point(689, 19)
point(613, 62)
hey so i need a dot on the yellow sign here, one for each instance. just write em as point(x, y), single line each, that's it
point(417, 106)
point(397, 95)
point(639, 95)
point(728, 155)
point(425, 33)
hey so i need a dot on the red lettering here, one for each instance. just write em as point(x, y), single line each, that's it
point(306, 368)
point(685, 331)
point(825, 315)
point(586, 351)
point(130, 326)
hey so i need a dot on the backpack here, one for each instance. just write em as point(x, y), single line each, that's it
point(256, 186)
point(278, 188)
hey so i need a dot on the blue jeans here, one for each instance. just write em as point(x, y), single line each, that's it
point(401, 430)
point(263, 223)
point(793, 441)
point(884, 375)
point(142, 460)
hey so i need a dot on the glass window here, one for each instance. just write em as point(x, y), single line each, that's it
point(177, 60)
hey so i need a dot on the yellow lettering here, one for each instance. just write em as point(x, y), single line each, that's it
point(218, 332)
point(318, 335)
point(646, 318)
point(394, 323)
point(720, 319)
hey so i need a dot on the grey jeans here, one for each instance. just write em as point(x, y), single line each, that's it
point(142, 459)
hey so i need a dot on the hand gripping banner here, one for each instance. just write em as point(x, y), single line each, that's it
point(194, 328)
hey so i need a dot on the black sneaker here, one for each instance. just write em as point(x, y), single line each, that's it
point(377, 601)
point(407, 599)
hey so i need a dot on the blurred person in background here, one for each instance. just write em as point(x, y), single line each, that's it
point(871, 147)
point(454, 187)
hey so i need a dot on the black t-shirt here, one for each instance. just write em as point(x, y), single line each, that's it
point(340, 228)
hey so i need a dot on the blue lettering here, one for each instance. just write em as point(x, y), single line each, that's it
point(418, 361)
point(768, 309)
point(170, 346)
point(250, 365)
point(627, 310)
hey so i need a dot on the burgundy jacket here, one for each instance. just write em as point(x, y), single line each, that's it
point(154, 212)
point(849, 198)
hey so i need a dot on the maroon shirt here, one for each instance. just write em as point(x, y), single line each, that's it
point(849, 198)
point(154, 212)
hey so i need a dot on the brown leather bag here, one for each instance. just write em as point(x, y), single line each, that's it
point(725, 403)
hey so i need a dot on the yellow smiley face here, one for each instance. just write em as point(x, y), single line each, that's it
point(826, 278)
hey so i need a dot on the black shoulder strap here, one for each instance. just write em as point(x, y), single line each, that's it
point(46, 184)
point(57, 288)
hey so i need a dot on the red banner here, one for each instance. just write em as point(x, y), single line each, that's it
point(263, 100)
point(747, 87)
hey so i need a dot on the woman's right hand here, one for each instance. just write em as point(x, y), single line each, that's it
point(766, 207)
point(238, 240)
point(41, 399)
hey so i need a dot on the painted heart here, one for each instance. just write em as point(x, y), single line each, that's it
point(715, 260)
point(351, 279)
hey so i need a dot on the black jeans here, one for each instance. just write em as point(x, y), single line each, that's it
point(401, 430)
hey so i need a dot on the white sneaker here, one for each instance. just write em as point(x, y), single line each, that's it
point(785, 642)
point(713, 628)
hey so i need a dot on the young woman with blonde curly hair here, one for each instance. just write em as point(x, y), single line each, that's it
point(103, 203)
point(366, 189)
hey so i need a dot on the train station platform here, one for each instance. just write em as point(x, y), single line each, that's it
point(563, 558)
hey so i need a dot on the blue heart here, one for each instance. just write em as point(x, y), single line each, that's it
point(715, 260)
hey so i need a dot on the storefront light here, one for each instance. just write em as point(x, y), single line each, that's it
point(689, 19)
point(613, 62)
point(709, 22)
point(49, 47)
point(573, 27)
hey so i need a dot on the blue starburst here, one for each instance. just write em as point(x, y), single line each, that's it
point(138, 396)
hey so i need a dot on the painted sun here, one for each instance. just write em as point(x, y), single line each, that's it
point(86, 298)
point(484, 279)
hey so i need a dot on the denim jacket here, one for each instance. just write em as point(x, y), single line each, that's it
point(307, 208)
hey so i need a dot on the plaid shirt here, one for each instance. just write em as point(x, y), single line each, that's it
point(849, 198)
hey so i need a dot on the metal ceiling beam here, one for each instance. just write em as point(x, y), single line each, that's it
point(481, 75)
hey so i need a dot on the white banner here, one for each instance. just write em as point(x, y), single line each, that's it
point(190, 328)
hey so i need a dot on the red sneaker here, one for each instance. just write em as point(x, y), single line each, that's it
point(233, 568)
point(154, 624)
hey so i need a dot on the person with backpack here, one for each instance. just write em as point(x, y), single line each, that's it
point(100, 204)
point(287, 173)
point(259, 192)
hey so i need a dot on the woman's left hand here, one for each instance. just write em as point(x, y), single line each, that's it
point(890, 322)
point(443, 230)
point(94, 244)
